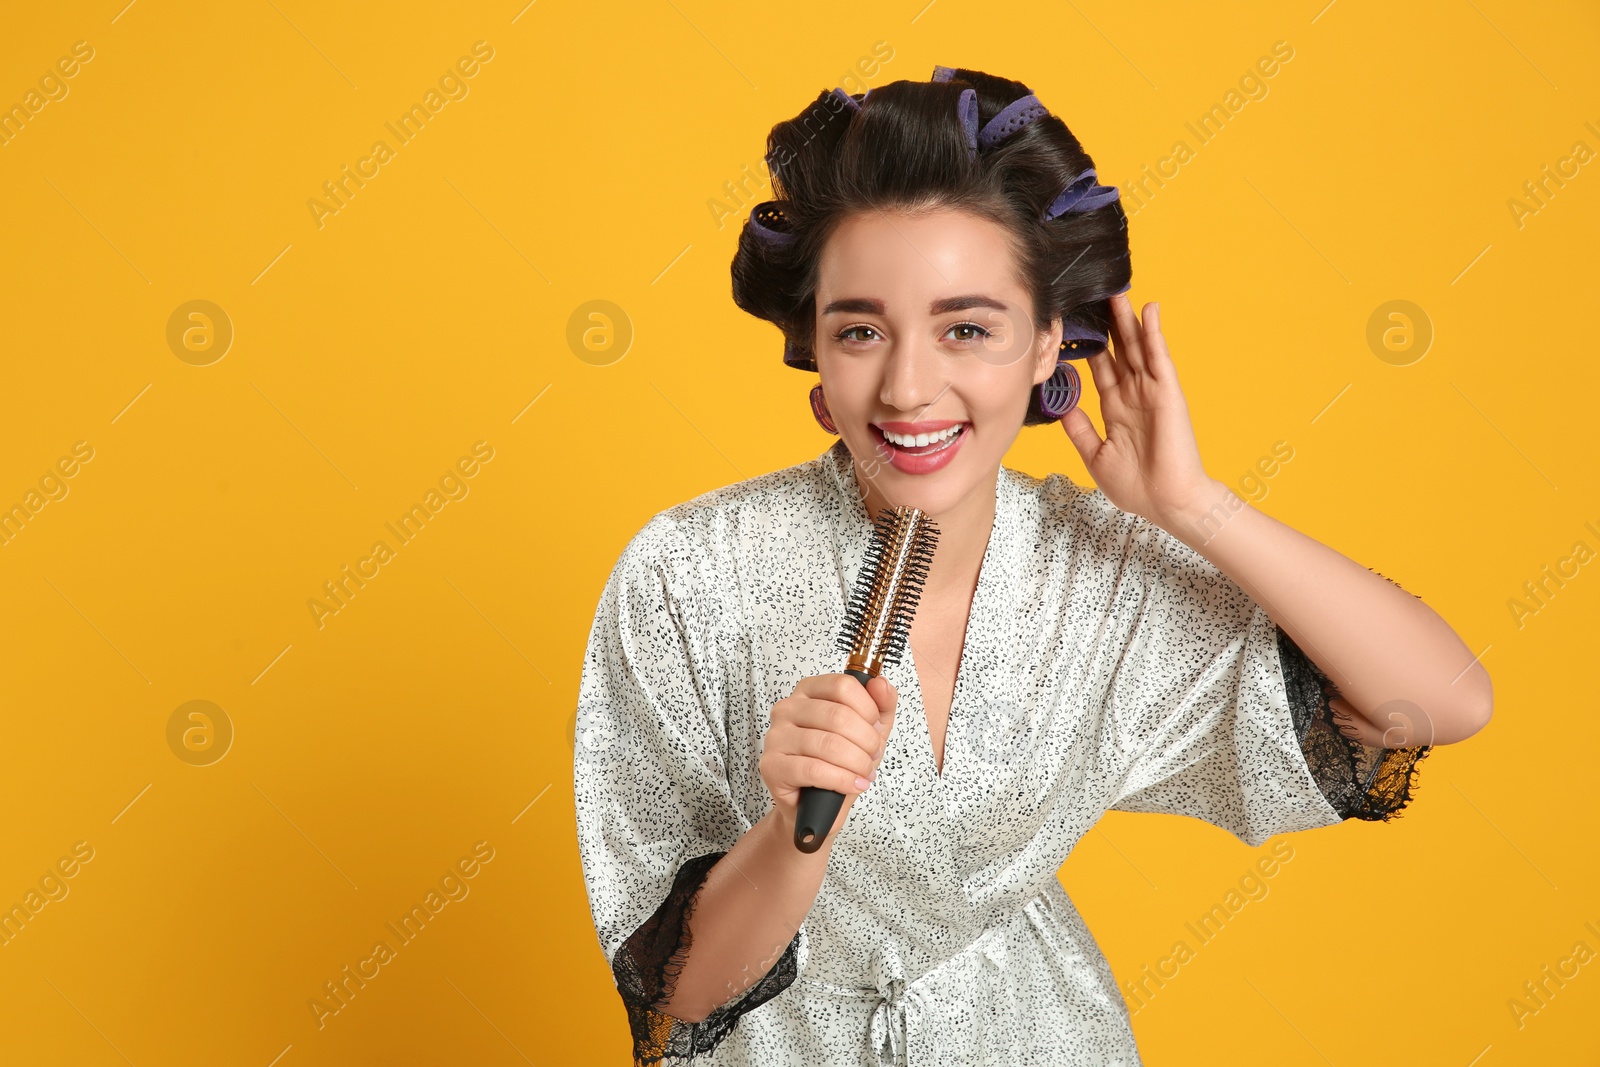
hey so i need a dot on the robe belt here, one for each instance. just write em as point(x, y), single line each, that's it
point(903, 1005)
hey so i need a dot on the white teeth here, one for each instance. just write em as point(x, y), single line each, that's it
point(921, 439)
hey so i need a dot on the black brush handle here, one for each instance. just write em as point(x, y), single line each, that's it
point(818, 807)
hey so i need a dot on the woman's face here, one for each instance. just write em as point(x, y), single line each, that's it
point(923, 328)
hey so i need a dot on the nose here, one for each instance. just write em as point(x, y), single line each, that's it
point(913, 377)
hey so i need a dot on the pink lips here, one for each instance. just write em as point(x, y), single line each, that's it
point(927, 463)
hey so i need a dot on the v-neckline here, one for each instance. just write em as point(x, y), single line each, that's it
point(980, 619)
point(977, 620)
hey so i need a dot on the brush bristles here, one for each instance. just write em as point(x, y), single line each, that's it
point(878, 618)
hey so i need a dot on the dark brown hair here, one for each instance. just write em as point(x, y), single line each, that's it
point(903, 146)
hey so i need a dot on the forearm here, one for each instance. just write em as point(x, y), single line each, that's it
point(1394, 660)
point(747, 911)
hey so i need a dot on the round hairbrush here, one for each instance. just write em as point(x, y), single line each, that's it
point(876, 625)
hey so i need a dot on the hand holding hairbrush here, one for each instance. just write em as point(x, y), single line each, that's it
point(877, 624)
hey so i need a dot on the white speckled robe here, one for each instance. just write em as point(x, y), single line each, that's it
point(1107, 666)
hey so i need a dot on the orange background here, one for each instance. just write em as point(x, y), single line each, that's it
point(377, 753)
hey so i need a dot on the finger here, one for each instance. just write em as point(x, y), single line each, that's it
point(883, 692)
point(1103, 366)
point(841, 689)
point(809, 771)
point(824, 716)
point(886, 710)
point(1081, 432)
point(836, 749)
point(1107, 363)
point(1129, 339)
point(884, 727)
point(1157, 358)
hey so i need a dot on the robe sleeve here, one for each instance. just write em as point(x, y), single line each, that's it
point(1229, 720)
point(654, 807)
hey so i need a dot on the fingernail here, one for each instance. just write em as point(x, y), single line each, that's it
point(862, 783)
point(882, 729)
point(873, 777)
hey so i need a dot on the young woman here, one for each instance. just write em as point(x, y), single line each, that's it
point(937, 252)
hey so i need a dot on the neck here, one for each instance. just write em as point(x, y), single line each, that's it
point(964, 531)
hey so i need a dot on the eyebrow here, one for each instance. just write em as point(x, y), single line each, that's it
point(866, 306)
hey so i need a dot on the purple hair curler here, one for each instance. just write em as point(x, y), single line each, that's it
point(967, 109)
point(1013, 117)
point(819, 408)
point(797, 357)
point(1079, 341)
point(768, 222)
point(1082, 193)
point(1060, 392)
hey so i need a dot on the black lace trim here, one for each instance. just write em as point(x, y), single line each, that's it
point(649, 962)
point(1358, 780)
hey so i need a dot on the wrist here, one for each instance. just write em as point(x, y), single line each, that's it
point(781, 832)
point(780, 823)
point(1202, 513)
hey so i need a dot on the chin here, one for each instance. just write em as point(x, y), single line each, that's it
point(935, 491)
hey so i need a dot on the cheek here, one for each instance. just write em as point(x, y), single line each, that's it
point(849, 388)
point(1001, 394)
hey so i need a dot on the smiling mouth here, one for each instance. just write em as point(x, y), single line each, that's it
point(930, 443)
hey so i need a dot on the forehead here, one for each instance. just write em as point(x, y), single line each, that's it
point(906, 260)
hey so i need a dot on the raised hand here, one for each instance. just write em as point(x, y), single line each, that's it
point(1148, 463)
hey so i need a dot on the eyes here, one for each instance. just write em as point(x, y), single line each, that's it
point(970, 332)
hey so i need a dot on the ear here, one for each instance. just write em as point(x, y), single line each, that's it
point(1049, 352)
